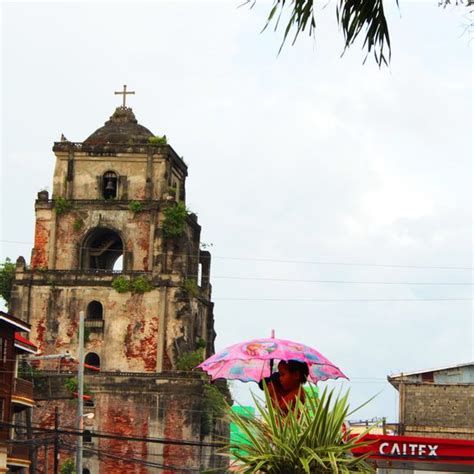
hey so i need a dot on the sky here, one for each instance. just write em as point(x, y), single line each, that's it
point(304, 167)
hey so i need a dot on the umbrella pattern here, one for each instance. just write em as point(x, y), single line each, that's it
point(251, 360)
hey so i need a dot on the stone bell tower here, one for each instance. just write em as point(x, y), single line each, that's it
point(116, 241)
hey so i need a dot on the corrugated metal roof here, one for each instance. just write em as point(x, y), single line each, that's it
point(424, 371)
point(24, 344)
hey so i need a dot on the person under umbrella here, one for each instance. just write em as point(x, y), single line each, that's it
point(286, 385)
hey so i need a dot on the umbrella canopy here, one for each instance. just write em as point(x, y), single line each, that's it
point(251, 361)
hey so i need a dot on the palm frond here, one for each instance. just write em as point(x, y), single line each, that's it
point(309, 438)
point(355, 17)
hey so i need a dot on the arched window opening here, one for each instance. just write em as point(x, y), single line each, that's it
point(86, 471)
point(94, 310)
point(87, 437)
point(101, 249)
point(92, 359)
point(109, 185)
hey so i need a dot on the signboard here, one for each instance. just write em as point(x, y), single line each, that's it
point(419, 450)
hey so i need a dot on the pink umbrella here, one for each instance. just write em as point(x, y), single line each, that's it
point(252, 360)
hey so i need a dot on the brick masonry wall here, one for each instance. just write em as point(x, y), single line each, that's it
point(160, 406)
point(439, 410)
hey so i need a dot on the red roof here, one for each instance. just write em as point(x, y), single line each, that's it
point(25, 341)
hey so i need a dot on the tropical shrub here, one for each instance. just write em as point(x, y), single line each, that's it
point(121, 284)
point(157, 140)
point(191, 287)
point(213, 407)
point(77, 225)
point(7, 275)
point(309, 439)
point(62, 205)
point(135, 206)
point(190, 359)
point(141, 285)
point(68, 467)
point(174, 222)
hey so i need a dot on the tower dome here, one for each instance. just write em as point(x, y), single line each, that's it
point(121, 128)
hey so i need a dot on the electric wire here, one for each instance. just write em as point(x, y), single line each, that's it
point(118, 436)
point(336, 300)
point(279, 260)
point(105, 453)
point(344, 300)
point(345, 282)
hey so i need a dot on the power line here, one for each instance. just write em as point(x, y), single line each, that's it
point(279, 260)
point(70, 447)
point(309, 262)
point(345, 300)
point(119, 437)
point(349, 282)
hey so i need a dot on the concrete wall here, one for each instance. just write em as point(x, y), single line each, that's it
point(437, 410)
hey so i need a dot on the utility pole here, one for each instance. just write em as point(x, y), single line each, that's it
point(56, 439)
point(80, 390)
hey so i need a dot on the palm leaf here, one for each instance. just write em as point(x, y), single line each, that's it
point(307, 439)
point(355, 17)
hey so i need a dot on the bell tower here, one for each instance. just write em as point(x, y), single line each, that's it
point(116, 241)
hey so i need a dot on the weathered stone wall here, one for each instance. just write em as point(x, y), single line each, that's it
point(140, 333)
point(438, 410)
point(124, 343)
point(88, 170)
point(168, 406)
point(43, 227)
point(131, 168)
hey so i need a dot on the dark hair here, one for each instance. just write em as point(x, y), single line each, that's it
point(297, 366)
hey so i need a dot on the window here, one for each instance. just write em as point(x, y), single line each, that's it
point(109, 185)
point(87, 437)
point(86, 471)
point(92, 359)
point(94, 310)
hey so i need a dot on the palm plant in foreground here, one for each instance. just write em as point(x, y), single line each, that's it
point(309, 439)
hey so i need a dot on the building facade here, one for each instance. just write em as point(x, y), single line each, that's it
point(437, 402)
point(16, 394)
point(116, 241)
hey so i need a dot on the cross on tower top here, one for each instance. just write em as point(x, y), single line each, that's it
point(124, 93)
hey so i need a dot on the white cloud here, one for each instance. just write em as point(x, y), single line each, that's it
point(304, 156)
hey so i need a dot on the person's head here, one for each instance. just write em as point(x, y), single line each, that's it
point(293, 373)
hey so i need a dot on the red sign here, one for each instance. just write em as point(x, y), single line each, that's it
point(417, 449)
